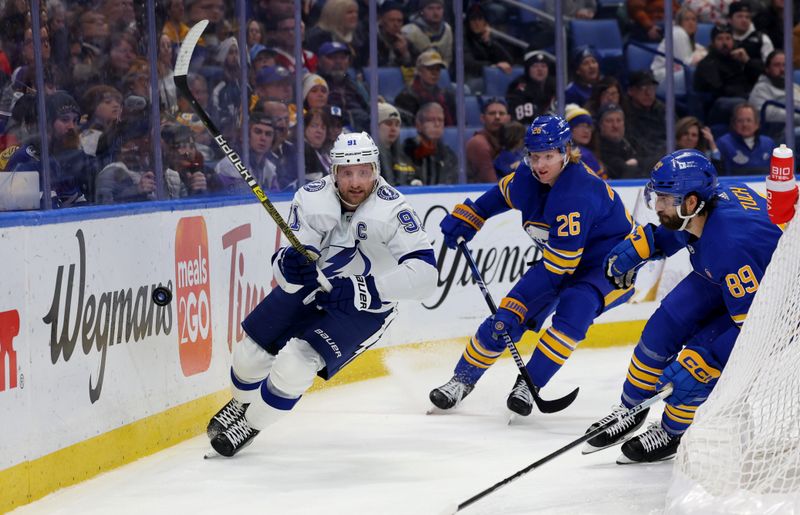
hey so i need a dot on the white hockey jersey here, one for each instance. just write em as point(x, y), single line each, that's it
point(383, 237)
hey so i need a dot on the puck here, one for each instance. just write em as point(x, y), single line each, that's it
point(162, 296)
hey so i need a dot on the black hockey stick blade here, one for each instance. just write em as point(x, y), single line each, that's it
point(556, 405)
point(544, 406)
point(663, 394)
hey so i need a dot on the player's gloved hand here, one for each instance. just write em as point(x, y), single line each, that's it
point(509, 319)
point(350, 295)
point(465, 220)
point(693, 376)
point(625, 259)
point(296, 269)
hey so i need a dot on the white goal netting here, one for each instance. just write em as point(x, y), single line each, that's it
point(742, 454)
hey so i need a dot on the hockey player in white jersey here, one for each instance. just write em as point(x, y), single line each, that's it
point(374, 250)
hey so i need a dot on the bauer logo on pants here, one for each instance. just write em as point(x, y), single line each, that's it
point(193, 295)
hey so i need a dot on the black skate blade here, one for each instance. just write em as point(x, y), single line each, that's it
point(555, 405)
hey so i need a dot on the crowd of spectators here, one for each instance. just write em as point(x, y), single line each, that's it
point(98, 91)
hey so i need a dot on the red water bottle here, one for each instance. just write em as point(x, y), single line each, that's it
point(781, 187)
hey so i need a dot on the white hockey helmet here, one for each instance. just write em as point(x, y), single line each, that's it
point(355, 148)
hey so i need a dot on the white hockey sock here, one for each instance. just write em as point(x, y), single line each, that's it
point(250, 364)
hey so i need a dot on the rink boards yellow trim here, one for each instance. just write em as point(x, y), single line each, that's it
point(31, 480)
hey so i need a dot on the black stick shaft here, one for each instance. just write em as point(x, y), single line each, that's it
point(631, 412)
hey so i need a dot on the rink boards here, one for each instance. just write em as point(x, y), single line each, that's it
point(93, 374)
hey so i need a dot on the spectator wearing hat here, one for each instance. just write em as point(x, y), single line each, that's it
point(684, 49)
point(182, 156)
point(427, 29)
point(645, 119)
point(436, 163)
point(396, 167)
point(745, 36)
point(725, 72)
point(482, 49)
point(280, 35)
point(130, 177)
point(315, 92)
point(339, 22)
point(744, 151)
point(581, 125)
point(425, 88)
point(618, 156)
point(72, 171)
point(585, 74)
point(483, 147)
point(533, 93)
point(393, 47)
point(318, 161)
point(275, 83)
point(336, 120)
point(648, 18)
point(261, 137)
point(226, 96)
point(260, 57)
point(334, 60)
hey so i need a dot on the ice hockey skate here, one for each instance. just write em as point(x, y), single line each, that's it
point(225, 417)
point(238, 436)
point(520, 400)
point(617, 433)
point(450, 394)
point(655, 444)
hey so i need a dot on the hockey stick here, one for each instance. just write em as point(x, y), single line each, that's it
point(182, 85)
point(591, 434)
point(543, 405)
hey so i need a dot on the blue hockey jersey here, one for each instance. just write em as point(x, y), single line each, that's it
point(576, 222)
point(733, 251)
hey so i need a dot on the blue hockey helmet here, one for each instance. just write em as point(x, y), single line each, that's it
point(547, 133)
point(680, 173)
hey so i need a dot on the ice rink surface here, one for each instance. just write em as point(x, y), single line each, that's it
point(369, 448)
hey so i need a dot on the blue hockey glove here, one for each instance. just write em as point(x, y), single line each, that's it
point(625, 259)
point(510, 318)
point(693, 376)
point(296, 269)
point(463, 222)
point(350, 295)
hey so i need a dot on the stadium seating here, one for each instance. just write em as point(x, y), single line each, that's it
point(390, 82)
point(472, 108)
point(497, 81)
point(604, 36)
point(703, 35)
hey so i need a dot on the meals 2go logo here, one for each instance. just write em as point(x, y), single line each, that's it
point(193, 295)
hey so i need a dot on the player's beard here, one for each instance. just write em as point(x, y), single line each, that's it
point(673, 222)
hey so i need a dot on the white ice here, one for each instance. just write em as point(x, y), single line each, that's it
point(369, 448)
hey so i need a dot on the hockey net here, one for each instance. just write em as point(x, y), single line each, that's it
point(742, 454)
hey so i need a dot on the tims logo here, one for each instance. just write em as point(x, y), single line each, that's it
point(9, 328)
point(193, 295)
